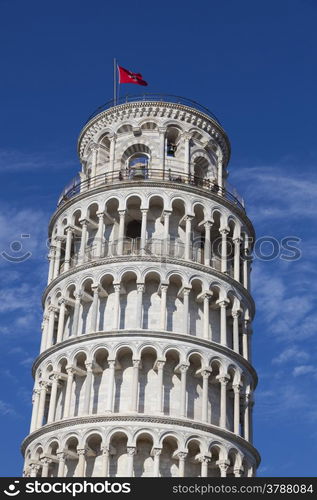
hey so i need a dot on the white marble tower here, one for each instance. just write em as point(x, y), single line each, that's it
point(145, 360)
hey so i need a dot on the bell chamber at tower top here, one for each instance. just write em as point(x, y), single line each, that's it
point(144, 140)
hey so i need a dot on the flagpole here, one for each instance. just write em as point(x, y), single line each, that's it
point(114, 81)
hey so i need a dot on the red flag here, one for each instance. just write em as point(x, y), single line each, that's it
point(126, 76)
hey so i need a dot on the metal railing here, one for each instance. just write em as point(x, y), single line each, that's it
point(144, 175)
point(153, 97)
point(160, 248)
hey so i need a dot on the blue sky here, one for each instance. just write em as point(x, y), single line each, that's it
point(253, 64)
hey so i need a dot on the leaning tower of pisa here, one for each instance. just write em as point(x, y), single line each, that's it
point(145, 359)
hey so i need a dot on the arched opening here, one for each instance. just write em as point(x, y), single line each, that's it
point(147, 396)
point(192, 464)
point(71, 462)
point(152, 302)
point(171, 383)
point(135, 162)
point(118, 455)
point(194, 388)
point(168, 460)
point(106, 303)
point(173, 135)
point(78, 390)
point(123, 378)
point(213, 467)
point(93, 456)
point(143, 461)
point(100, 385)
point(133, 229)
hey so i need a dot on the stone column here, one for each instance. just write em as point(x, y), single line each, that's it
point(186, 292)
point(162, 132)
point(188, 219)
point(59, 240)
point(135, 385)
point(183, 371)
point(121, 232)
point(251, 405)
point(45, 466)
point(69, 237)
point(223, 379)
point(51, 260)
point(223, 466)
point(99, 235)
point(140, 290)
point(81, 462)
point(246, 417)
point(245, 343)
point(116, 308)
point(94, 308)
point(35, 409)
point(69, 386)
point(131, 451)
point(163, 289)
point(143, 229)
point(105, 462)
point(235, 316)
point(238, 471)
point(223, 321)
point(166, 234)
point(40, 415)
point(156, 452)
point(94, 148)
point(206, 298)
point(246, 264)
point(51, 324)
point(236, 409)
point(187, 137)
point(181, 463)
point(224, 264)
point(204, 465)
point(61, 455)
point(207, 247)
point(44, 328)
point(160, 390)
point(78, 296)
point(219, 177)
point(34, 470)
point(109, 407)
point(249, 337)
point(52, 405)
point(112, 151)
point(83, 241)
point(61, 320)
point(205, 373)
point(236, 269)
point(88, 384)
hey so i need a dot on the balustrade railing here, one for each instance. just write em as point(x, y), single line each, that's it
point(154, 97)
point(147, 174)
point(153, 247)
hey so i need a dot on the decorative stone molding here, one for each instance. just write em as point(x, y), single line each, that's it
point(184, 424)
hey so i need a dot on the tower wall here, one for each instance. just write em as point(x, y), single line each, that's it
point(145, 359)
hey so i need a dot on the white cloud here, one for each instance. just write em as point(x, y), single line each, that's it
point(291, 353)
point(272, 194)
point(7, 410)
point(304, 370)
point(14, 161)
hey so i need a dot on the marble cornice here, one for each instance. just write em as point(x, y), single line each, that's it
point(148, 334)
point(170, 421)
